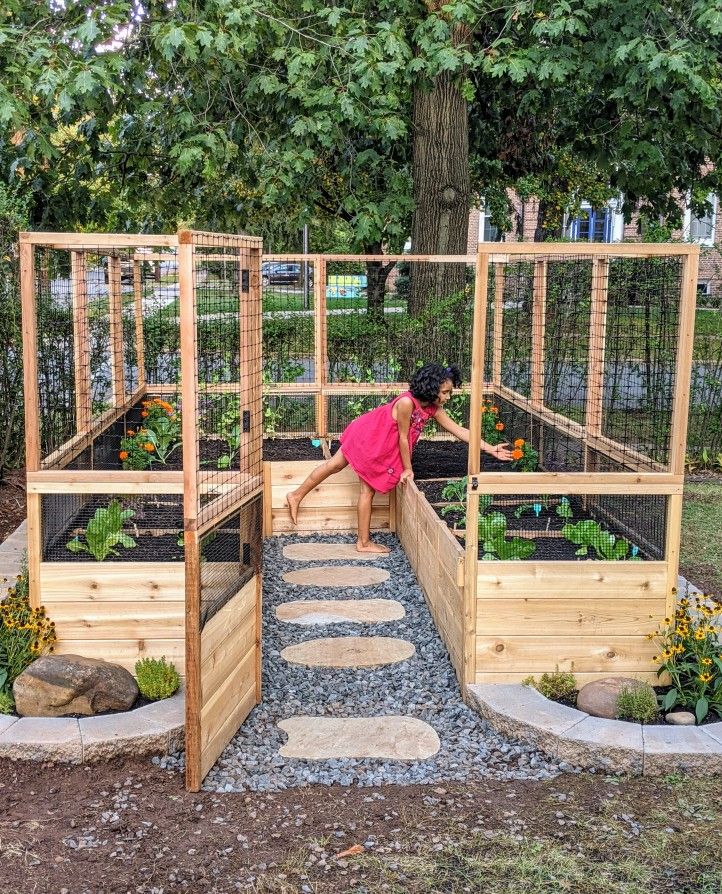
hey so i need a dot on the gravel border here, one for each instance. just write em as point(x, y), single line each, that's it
point(424, 687)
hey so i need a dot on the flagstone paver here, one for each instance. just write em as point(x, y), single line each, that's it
point(337, 576)
point(11, 554)
point(349, 651)
point(326, 552)
point(388, 738)
point(340, 611)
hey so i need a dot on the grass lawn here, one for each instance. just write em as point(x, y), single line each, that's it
point(701, 557)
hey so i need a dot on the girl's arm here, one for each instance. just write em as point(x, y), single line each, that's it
point(446, 422)
point(402, 412)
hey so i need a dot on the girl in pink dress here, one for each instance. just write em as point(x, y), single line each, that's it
point(378, 445)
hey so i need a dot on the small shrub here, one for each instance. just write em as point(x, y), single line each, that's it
point(637, 703)
point(156, 679)
point(7, 705)
point(556, 686)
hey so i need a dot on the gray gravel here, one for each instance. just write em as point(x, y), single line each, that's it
point(425, 687)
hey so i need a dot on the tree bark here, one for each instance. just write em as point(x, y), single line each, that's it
point(376, 276)
point(442, 190)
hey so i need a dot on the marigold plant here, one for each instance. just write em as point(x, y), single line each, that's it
point(691, 655)
point(491, 426)
point(524, 457)
point(25, 634)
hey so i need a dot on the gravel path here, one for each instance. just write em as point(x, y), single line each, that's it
point(424, 687)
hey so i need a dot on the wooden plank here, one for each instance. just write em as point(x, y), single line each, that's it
point(592, 249)
point(201, 238)
point(594, 579)
point(126, 652)
point(597, 345)
point(118, 620)
point(112, 582)
point(233, 650)
point(429, 259)
point(329, 520)
point(81, 348)
point(587, 654)
point(326, 494)
point(242, 705)
point(138, 314)
point(90, 241)
point(267, 516)
point(478, 347)
point(538, 331)
point(498, 324)
point(115, 319)
point(568, 616)
point(110, 487)
point(673, 536)
point(30, 356)
point(577, 483)
point(225, 622)
point(259, 637)
point(581, 678)
point(35, 549)
point(683, 371)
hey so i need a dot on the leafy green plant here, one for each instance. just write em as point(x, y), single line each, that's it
point(456, 490)
point(690, 656)
point(136, 450)
point(7, 703)
point(104, 532)
point(637, 703)
point(156, 679)
point(556, 686)
point(588, 533)
point(491, 425)
point(492, 536)
point(230, 430)
point(564, 509)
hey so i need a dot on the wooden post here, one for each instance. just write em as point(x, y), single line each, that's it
point(478, 345)
point(81, 347)
point(320, 344)
point(139, 336)
point(115, 314)
point(680, 413)
point(32, 410)
point(537, 332)
point(245, 352)
point(189, 392)
point(595, 358)
point(496, 369)
point(255, 370)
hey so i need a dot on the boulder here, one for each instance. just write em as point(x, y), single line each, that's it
point(58, 685)
point(681, 718)
point(599, 698)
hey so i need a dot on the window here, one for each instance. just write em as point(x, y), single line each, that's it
point(487, 231)
point(703, 289)
point(592, 225)
point(701, 229)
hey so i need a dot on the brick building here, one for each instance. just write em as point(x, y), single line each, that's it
point(607, 225)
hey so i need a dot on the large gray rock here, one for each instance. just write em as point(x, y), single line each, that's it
point(58, 685)
point(599, 698)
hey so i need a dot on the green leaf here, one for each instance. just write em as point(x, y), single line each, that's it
point(670, 699)
point(701, 709)
point(75, 546)
point(85, 82)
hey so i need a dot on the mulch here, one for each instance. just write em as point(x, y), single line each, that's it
point(12, 502)
point(129, 826)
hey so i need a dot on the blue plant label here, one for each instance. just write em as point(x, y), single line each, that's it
point(537, 507)
point(635, 550)
point(315, 442)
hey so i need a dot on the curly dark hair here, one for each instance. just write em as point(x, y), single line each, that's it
point(427, 381)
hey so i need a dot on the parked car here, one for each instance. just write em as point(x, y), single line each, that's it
point(284, 273)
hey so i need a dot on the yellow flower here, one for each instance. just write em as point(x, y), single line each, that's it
point(706, 662)
point(699, 634)
point(705, 677)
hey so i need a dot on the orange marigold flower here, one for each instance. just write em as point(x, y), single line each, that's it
point(149, 447)
point(499, 426)
point(516, 453)
point(144, 413)
point(519, 442)
point(131, 433)
point(494, 410)
point(123, 455)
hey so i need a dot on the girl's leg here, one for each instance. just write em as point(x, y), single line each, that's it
point(364, 544)
point(293, 499)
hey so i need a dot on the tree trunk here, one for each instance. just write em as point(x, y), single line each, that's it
point(376, 276)
point(442, 190)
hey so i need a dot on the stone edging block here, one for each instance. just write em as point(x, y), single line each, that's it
point(566, 734)
point(152, 729)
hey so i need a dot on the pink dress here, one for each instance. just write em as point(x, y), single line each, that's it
point(371, 443)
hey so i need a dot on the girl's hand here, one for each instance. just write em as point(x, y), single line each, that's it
point(406, 475)
point(500, 451)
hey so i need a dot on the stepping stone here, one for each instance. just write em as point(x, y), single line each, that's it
point(340, 611)
point(337, 576)
point(324, 552)
point(349, 651)
point(387, 738)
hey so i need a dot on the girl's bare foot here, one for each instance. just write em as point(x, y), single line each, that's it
point(293, 502)
point(371, 547)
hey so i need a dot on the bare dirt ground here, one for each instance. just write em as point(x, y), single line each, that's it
point(131, 827)
point(12, 502)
